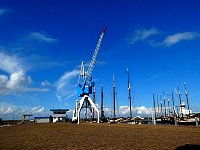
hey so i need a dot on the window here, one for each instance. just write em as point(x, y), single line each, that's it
point(59, 112)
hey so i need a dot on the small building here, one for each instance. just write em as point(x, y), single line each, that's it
point(183, 109)
point(42, 119)
point(59, 115)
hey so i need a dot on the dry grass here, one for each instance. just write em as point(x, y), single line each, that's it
point(96, 136)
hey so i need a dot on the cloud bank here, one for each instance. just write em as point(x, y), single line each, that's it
point(8, 111)
point(141, 110)
point(13, 77)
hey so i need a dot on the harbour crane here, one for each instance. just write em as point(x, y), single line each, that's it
point(85, 84)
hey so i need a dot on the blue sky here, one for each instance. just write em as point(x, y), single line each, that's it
point(42, 44)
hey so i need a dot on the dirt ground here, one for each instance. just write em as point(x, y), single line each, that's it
point(98, 136)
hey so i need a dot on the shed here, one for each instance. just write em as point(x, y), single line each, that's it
point(42, 119)
point(59, 115)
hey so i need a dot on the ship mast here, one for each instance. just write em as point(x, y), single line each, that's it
point(179, 95)
point(114, 96)
point(129, 93)
point(186, 93)
point(158, 105)
point(173, 103)
point(154, 106)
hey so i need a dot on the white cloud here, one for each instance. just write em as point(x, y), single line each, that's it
point(141, 34)
point(31, 89)
point(17, 80)
point(9, 63)
point(3, 11)
point(8, 111)
point(145, 34)
point(46, 83)
point(124, 111)
point(3, 79)
point(178, 37)
point(100, 62)
point(142, 110)
point(37, 110)
point(66, 85)
point(66, 77)
point(42, 37)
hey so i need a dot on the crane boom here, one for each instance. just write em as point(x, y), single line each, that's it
point(93, 61)
point(84, 82)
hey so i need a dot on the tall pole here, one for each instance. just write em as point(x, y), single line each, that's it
point(114, 96)
point(186, 93)
point(129, 93)
point(102, 112)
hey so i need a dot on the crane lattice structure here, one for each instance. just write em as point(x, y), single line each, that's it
point(85, 84)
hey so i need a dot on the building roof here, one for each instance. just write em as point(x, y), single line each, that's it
point(41, 117)
point(59, 109)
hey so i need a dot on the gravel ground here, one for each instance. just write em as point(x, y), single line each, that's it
point(98, 136)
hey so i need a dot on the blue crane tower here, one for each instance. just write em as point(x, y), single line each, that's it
point(85, 84)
